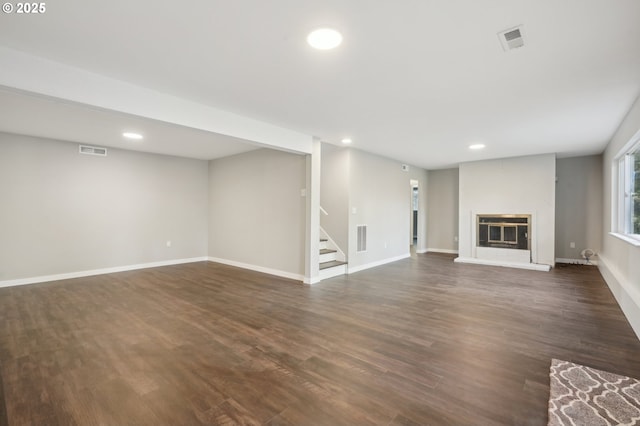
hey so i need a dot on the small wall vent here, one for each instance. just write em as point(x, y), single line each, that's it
point(511, 38)
point(362, 238)
point(93, 150)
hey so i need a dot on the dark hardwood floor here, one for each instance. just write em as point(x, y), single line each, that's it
point(420, 341)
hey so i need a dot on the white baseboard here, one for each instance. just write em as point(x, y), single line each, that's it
point(437, 250)
point(264, 270)
point(626, 294)
point(576, 261)
point(421, 251)
point(81, 274)
point(351, 270)
point(311, 281)
point(529, 266)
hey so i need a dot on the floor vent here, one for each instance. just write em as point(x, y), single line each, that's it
point(511, 38)
point(93, 150)
point(362, 238)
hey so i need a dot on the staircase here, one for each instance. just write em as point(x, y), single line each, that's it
point(330, 263)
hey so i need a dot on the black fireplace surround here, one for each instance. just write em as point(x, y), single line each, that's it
point(504, 231)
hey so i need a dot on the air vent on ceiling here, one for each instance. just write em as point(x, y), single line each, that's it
point(93, 150)
point(362, 238)
point(511, 38)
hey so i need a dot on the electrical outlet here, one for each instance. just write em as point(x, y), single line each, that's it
point(455, 239)
point(168, 243)
point(385, 244)
point(572, 245)
point(354, 210)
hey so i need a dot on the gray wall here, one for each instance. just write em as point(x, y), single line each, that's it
point(619, 261)
point(334, 193)
point(63, 212)
point(256, 212)
point(578, 205)
point(381, 194)
point(442, 210)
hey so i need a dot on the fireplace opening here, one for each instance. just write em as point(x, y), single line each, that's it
point(503, 231)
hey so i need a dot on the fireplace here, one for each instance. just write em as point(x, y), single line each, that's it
point(509, 231)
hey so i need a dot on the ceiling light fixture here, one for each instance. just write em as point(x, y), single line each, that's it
point(324, 39)
point(477, 146)
point(346, 141)
point(132, 136)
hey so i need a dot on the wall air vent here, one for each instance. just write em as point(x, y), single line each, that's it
point(511, 38)
point(93, 150)
point(362, 238)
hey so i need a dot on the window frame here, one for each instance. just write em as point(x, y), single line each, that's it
point(622, 190)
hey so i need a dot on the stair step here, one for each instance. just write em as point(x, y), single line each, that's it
point(331, 264)
point(327, 251)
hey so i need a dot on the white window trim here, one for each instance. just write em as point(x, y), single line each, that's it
point(627, 238)
point(621, 225)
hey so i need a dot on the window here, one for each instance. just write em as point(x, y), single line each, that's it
point(628, 192)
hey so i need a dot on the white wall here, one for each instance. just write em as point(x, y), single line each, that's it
point(619, 261)
point(578, 206)
point(63, 212)
point(334, 193)
point(442, 208)
point(522, 185)
point(256, 211)
point(381, 194)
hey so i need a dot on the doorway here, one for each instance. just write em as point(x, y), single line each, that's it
point(413, 216)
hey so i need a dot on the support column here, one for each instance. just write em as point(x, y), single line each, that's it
point(312, 240)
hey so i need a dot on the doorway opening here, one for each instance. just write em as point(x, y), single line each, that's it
point(413, 217)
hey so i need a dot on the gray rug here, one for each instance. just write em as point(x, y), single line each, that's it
point(585, 396)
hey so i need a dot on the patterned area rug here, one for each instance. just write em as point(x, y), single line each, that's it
point(585, 396)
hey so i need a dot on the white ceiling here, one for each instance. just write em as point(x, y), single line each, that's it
point(31, 115)
point(414, 80)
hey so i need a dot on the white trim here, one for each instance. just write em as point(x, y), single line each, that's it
point(529, 266)
point(351, 270)
point(312, 281)
point(264, 270)
point(437, 250)
point(627, 238)
point(576, 261)
point(421, 251)
point(89, 273)
point(621, 206)
point(334, 271)
point(629, 146)
point(626, 294)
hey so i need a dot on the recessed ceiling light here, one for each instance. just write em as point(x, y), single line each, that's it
point(324, 38)
point(346, 141)
point(133, 136)
point(477, 146)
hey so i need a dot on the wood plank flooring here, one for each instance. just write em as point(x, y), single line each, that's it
point(420, 341)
